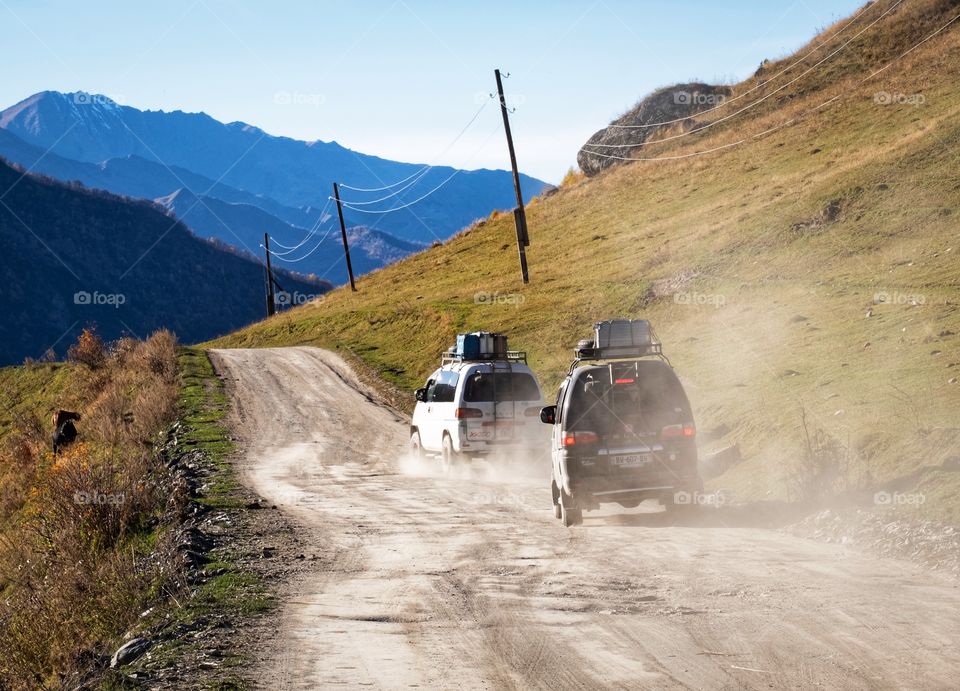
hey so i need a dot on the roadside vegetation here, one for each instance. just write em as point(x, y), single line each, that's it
point(805, 282)
point(83, 547)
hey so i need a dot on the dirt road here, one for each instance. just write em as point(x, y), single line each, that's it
point(444, 583)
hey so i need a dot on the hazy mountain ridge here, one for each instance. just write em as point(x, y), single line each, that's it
point(70, 257)
point(93, 129)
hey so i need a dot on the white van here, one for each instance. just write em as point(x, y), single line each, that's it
point(478, 406)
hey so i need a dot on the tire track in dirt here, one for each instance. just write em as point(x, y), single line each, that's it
point(433, 582)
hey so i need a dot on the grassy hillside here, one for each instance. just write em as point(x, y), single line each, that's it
point(84, 546)
point(810, 274)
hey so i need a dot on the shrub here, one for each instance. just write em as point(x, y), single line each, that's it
point(88, 350)
point(80, 551)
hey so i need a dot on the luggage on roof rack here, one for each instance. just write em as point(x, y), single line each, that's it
point(619, 338)
point(482, 345)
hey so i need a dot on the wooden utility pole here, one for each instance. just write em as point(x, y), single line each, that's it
point(271, 305)
point(343, 234)
point(519, 215)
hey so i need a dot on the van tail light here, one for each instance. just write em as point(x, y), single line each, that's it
point(531, 412)
point(687, 431)
point(578, 438)
point(464, 413)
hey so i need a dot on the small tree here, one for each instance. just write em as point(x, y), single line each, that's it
point(88, 350)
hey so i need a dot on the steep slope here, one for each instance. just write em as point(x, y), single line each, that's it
point(92, 129)
point(70, 257)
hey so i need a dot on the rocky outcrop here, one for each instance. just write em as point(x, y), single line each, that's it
point(670, 108)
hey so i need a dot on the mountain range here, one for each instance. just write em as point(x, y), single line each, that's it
point(71, 257)
point(169, 156)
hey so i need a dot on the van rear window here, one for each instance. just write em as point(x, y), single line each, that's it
point(643, 397)
point(484, 387)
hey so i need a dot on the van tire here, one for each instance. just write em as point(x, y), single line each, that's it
point(448, 457)
point(569, 515)
point(555, 493)
point(416, 448)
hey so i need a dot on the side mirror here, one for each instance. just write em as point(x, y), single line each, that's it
point(548, 415)
point(420, 395)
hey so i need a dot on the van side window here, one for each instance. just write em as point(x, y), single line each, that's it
point(561, 395)
point(446, 387)
point(431, 388)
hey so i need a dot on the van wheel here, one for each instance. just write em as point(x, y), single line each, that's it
point(568, 514)
point(416, 448)
point(555, 493)
point(448, 457)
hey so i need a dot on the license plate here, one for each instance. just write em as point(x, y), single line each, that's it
point(630, 460)
point(483, 434)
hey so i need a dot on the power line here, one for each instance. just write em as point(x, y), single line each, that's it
point(791, 120)
point(309, 234)
point(403, 189)
point(779, 74)
point(752, 105)
point(319, 244)
point(426, 167)
point(435, 189)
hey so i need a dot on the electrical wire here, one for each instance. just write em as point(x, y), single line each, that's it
point(779, 74)
point(823, 105)
point(319, 244)
point(426, 168)
point(755, 103)
point(313, 231)
point(423, 172)
point(435, 189)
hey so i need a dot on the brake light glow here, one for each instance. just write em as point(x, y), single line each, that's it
point(624, 381)
point(576, 438)
point(687, 431)
point(463, 413)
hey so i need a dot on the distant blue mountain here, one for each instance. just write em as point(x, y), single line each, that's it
point(243, 226)
point(136, 150)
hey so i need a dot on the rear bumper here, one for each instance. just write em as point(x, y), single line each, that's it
point(590, 484)
point(590, 494)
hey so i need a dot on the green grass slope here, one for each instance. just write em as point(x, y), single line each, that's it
point(760, 264)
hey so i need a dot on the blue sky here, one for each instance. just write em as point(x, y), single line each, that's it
point(399, 78)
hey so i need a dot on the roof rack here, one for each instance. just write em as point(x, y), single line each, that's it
point(619, 339)
point(617, 354)
point(449, 357)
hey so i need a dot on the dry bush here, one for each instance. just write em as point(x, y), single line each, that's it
point(88, 350)
point(75, 569)
point(572, 177)
point(824, 467)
